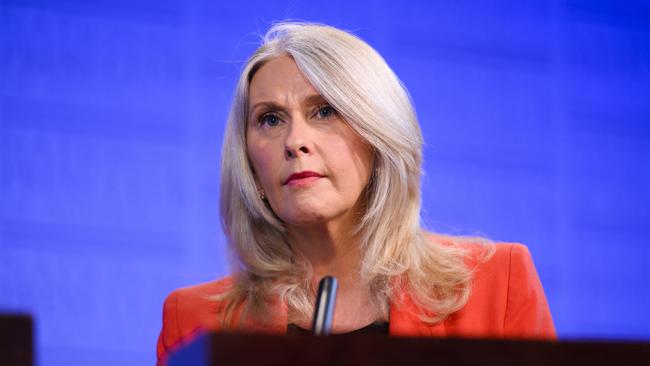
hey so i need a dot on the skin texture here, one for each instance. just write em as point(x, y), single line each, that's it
point(291, 129)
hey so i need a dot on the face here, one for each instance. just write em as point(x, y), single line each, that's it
point(311, 165)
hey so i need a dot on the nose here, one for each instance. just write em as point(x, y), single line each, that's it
point(298, 140)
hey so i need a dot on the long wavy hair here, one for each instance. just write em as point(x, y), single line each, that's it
point(398, 256)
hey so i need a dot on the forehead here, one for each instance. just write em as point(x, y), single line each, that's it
point(279, 79)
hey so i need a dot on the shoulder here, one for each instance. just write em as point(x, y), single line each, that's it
point(196, 305)
point(197, 302)
point(484, 255)
point(507, 298)
point(497, 267)
point(500, 257)
point(202, 290)
point(189, 309)
point(507, 267)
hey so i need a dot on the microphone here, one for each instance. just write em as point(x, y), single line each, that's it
point(324, 312)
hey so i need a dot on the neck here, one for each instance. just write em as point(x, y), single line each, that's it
point(335, 251)
point(332, 249)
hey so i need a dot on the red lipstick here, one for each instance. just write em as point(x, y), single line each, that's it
point(300, 177)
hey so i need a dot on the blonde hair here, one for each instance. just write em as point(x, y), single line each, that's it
point(359, 84)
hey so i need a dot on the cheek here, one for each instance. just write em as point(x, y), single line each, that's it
point(354, 159)
point(263, 159)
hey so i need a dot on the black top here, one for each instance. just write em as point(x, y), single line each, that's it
point(374, 329)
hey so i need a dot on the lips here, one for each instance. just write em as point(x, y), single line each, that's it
point(301, 176)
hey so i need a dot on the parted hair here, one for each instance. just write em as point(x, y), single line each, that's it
point(398, 256)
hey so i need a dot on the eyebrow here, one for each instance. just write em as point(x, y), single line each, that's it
point(310, 100)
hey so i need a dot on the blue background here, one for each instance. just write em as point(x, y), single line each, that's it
point(536, 117)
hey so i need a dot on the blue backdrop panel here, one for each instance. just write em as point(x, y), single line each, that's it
point(535, 116)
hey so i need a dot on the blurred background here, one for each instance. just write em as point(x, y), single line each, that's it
point(536, 117)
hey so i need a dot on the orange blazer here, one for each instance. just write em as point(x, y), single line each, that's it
point(507, 301)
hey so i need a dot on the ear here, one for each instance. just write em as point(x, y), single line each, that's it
point(261, 193)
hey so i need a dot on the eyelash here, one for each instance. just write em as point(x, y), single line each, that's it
point(262, 118)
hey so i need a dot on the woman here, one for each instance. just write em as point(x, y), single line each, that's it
point(320, 175)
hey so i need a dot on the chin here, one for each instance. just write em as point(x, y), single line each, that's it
point(305, 217)
point(310, 212)
point(306, 220)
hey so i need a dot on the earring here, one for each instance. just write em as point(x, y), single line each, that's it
point(260, 192)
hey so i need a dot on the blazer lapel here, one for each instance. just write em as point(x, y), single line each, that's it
point(404, 320)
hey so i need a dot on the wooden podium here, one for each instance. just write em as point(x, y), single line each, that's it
point(213, 349)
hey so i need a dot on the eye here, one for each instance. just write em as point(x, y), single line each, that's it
point(326, 111)
point(269, 119)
